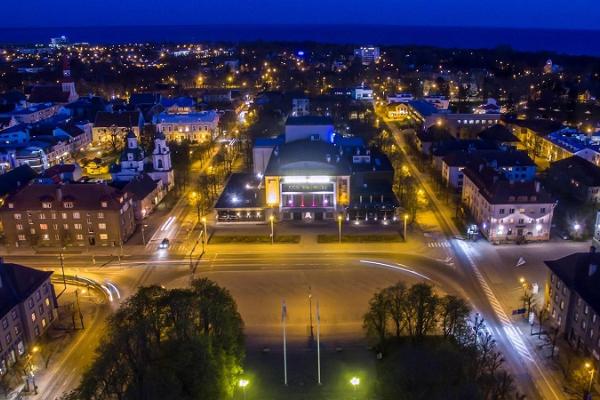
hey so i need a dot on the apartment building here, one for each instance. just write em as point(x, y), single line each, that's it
point(74, 214)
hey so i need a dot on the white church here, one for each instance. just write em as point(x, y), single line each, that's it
point(133, 161)
point(147, 182)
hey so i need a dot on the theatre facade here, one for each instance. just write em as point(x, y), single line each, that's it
point(310, 174)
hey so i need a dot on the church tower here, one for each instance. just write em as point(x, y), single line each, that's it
point(161, 155)
point(68, 86)
point(161, 162)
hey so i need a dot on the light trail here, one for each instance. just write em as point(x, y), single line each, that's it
point(398, 267)
point(167, 224)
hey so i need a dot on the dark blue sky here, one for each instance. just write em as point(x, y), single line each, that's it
point(566, 14)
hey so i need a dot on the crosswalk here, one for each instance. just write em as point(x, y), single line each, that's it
point(443, 243)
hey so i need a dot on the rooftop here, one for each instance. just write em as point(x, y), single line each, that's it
point(123, 119)
point(498, 133)
point(241, 191)
point(497, 189)
point(203, 117)
point(16, 179)
point(84, 196)
point(17, 283)
point(574, 270)
point(309, 120)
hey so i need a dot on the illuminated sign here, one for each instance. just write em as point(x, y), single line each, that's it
point(307, 187)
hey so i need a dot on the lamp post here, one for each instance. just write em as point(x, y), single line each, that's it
point(144, 226)
point(243, 383)
point(272, 219)
point(310, 312)
point(592, 371)
point(339, 228)
point(205, 241)
point(405, 221)
point(355, 381)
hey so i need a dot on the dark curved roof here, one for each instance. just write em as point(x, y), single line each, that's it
point(307, 157)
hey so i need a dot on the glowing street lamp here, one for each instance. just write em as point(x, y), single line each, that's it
point(355, 381)
point(243, 383)
point(592, 371)
point(405, 221)
point(272, 219)
point(339, 218)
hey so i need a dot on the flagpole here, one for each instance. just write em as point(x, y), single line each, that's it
point(318, 343)
point(283, 319)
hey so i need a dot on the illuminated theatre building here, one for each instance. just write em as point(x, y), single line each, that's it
point(311, 174)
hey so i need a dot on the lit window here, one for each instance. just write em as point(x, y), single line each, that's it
point(103, 204)
point(103, 236)
point(33, 317)
point(17, 216)
point(21, 237)
point(79, 236)
point(76, 215)
point(102, 226)
point(68, 204)
point(100, 215)
point(44, 227)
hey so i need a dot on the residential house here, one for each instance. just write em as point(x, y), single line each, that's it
point(576, 178)
point(507, 210)
point(572, 300)
point(27, 309)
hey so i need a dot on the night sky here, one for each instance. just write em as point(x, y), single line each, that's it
point(562, 14)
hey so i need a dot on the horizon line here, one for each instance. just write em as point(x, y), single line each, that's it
point(277, 24)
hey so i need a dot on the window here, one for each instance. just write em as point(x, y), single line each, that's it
point(45, 236)
point(66, 226)
point(36, 330)
point(44, 227)
point(543, 209)
point(100, 215)
point(46, 204)
point(101, 226)
point(44, 322)
point(562, 307)
point(511, 210)
point(47, 301)
point(17, 216)
point(79, 236)
point(63, 215)
point(19, 227)
point(76, 215)
point(42, 216)
point(104, 204)
point(103, 236)
point(13, 314)
point(33, 316)
point(17, 331)
point(5, 323)
point(586, 310)
point(502, 211)
point(8, 339)
point(38, 295)
point(78, 226)
point(68, 204)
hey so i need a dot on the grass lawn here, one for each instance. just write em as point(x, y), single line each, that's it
point(253, 239)
point(383, 238)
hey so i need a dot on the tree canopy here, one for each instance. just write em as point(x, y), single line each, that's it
point(432, 348)
point(169, 344)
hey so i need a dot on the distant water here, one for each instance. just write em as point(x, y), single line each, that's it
point(560, 41)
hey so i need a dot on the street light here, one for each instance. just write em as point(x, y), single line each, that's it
point(405, 221)
point(355, 381)
point(205, 241)
point(592, 371)
point(339, 218)
point(243, 383)
point(271, 219)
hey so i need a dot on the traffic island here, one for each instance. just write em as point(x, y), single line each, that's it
point(254, 239)
point(384, 238)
